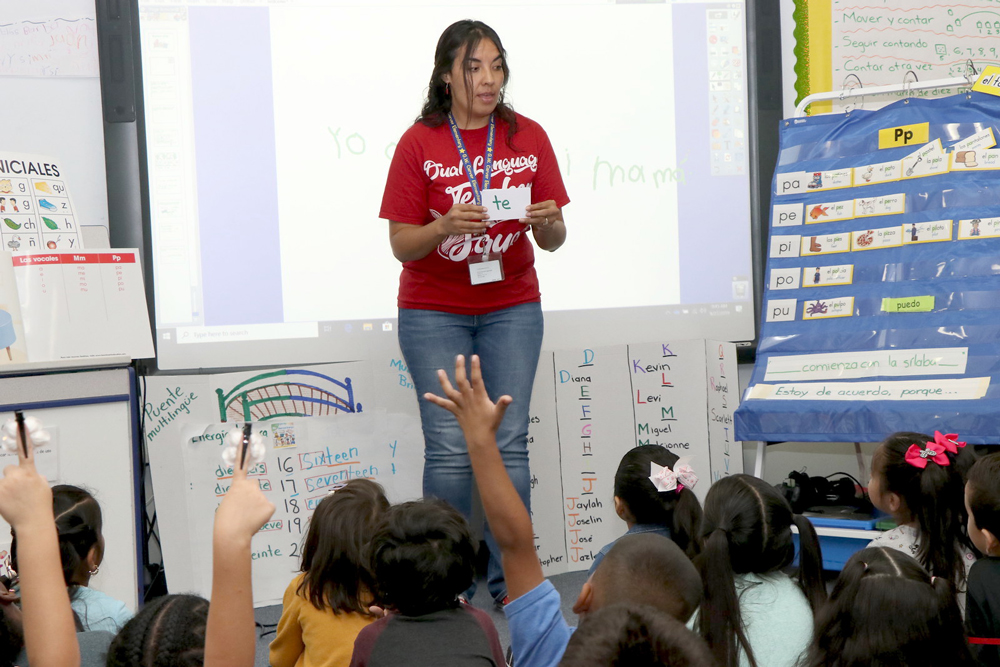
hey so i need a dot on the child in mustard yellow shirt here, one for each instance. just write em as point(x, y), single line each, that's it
point(326, 606)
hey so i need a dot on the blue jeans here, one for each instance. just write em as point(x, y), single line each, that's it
point(508, 343)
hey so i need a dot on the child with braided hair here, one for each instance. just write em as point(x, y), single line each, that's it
point(920, 482)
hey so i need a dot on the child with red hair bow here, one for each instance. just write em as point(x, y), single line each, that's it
point(920, 481)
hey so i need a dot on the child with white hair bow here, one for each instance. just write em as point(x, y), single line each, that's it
point(653, 495)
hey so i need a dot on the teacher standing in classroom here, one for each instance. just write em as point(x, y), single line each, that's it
point(468, 284)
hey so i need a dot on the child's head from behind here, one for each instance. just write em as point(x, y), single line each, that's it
point(334, 553)
point(753, 521)
point(644, 569)
point(423, 557)
point(11, 627)
point(747, 528)
point(168, 631)
point(79, 525)
point(886, 609)
point(638, 501)
point(634, 636)
point(982, 501)
point(918, 479)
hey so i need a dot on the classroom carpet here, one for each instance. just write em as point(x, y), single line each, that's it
point(568, 585)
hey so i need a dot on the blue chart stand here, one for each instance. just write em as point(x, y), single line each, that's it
point(931, 240)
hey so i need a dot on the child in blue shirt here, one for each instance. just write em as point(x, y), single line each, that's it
point(646, 568)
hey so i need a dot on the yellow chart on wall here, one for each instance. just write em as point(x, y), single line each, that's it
point(863, 43)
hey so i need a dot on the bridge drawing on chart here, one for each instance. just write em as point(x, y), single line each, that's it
point(287, 393)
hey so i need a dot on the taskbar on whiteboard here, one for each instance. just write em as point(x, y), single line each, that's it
point(300, 343)
point(277, 344)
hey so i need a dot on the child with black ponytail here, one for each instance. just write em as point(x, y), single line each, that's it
point(653, 495)
point(81, 550)
point(887, 610)
point(752, 613)
point(920, 481)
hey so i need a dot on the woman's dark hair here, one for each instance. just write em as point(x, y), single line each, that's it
point(934, 498)
point(887, 610)
point(634, 636)
point(678, 511)
point(459, 40)
point(168, 632)
point(334, 553)
point(984, 493)
point(78, 523)
point(747, 528)
point(423, 557)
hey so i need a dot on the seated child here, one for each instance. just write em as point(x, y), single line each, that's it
point(920, 481)
point(46, 620)
point(666, 506)
point(886, 610)
point(423, 557)
point(185, 629)
point(637, 636)
point(81, 547)
point(643, 569)
point(326, 606)
point(753, 613)
point(982, 612)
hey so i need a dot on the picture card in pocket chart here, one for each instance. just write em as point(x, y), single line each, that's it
point(36, 210)
point(83, 304)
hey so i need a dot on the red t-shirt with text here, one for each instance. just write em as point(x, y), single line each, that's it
point(426, 178)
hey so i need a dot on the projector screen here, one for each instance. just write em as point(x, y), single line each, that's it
point(269, 128)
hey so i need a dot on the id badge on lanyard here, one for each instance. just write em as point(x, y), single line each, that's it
point(487, 267)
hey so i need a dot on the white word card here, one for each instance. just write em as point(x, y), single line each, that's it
point(506, 203)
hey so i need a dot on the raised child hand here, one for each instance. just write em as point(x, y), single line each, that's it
point(478, 416)
point(25, 496)
point(244, 509)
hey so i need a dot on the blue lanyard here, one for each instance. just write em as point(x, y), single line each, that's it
point(467, 163)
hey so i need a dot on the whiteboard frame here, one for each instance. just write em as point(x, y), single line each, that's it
point(104, 491)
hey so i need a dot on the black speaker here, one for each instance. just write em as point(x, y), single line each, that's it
point(115, 32)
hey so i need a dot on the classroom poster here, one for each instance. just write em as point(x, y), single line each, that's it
point(36, 209)
point(840, 45)
point(81, 304)
point(329, 423)
point(13, 346)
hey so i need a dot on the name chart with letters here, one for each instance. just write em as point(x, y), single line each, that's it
point(327, 424)
point(882, 299)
